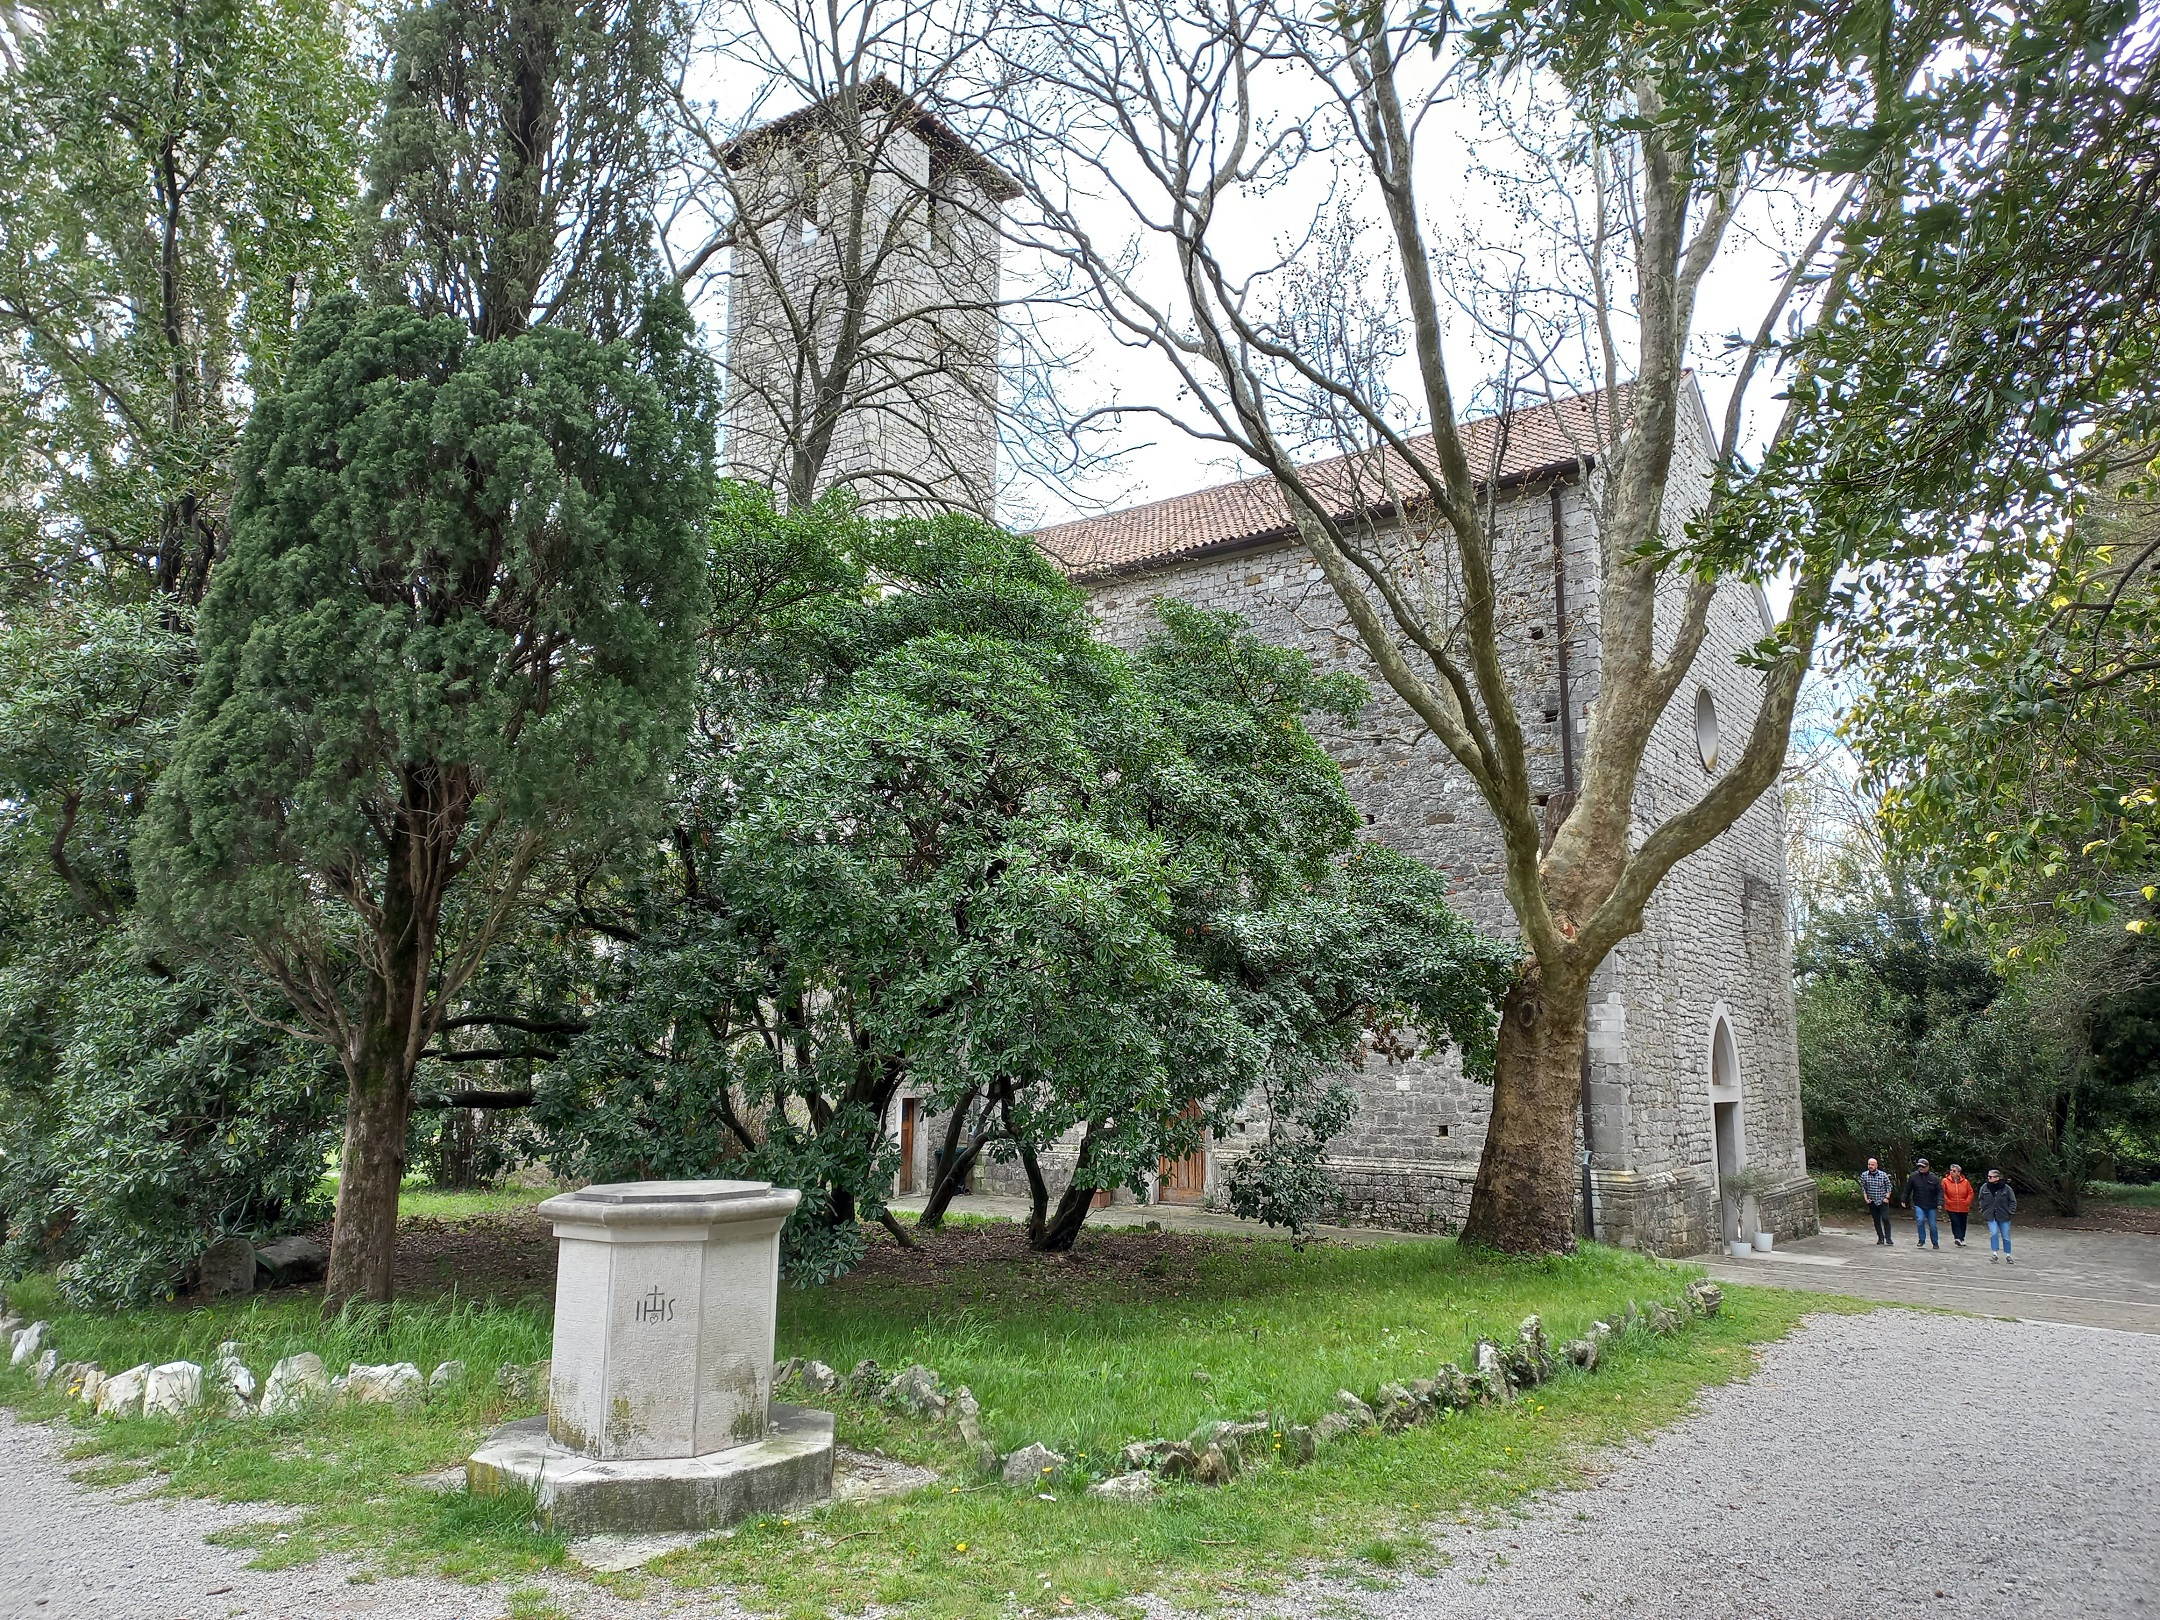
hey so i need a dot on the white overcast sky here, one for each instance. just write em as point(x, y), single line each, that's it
point(1456, 200)
point(1459, 138)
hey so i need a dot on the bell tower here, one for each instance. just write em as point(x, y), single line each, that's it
point(863, 310)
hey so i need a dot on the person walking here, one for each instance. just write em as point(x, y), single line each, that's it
point(1998, 1202)
point(1957, 1202)
point(1923, 1190)
point(1875, 1188)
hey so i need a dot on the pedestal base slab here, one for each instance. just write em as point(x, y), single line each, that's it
point(792, 1467)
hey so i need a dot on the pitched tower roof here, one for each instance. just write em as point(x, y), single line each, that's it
point(947, 149)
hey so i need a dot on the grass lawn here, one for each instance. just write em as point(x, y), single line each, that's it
point(2131, 1195)
point(431, 1203)
point(417, 1198)
point(1138, 1334)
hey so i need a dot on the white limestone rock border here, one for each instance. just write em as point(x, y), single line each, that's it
point(122, 1394)
point(391, 1383)
point(84, 1379)
point(1216, 1452)
point(172, 1389)
point(28, 1343)
point(232, 1384)
point(1031, 1465)
point(295, 1384)
point(1129, 1489)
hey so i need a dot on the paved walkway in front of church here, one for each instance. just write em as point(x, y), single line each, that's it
point(2092, 1279)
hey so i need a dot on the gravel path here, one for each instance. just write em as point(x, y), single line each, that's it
point(1883, 1466)
point(1874, 1463)
point(72, 1553)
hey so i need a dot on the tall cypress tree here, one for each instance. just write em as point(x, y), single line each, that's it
point(453, 637)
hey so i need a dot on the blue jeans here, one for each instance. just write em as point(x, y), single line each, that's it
point(1924, 1227)
point(1998, 1233)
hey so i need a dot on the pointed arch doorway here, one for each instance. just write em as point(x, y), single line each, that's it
point(1728, 1143)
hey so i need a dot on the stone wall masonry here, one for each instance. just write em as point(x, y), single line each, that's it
point(1713, 943)
point(924, 402)
point(1423, 1107)
point(1789, 1210)
point(1661, 1211)
point(1403, 1196)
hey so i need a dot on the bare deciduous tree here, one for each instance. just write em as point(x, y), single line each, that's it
point(1161, 142)
point(851, 208)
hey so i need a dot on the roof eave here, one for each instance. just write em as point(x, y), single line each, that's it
point(938, 135)
point(1282, 533)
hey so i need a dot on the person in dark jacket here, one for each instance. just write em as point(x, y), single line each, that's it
point(1998, 1202)
point(1875, 1188)
point(1923, 1190)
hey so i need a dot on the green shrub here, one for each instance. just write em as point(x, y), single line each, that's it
point(161, 1118)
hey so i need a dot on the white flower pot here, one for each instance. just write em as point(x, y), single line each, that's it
point(1762, 1242)
point(1740, 1247)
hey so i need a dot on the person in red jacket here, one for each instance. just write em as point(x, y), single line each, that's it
point(1957, 1202)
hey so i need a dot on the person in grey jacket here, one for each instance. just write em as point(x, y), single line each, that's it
point(1875, 1188)
point(1998, 1202)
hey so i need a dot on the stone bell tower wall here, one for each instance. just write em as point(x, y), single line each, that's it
point(916, 428)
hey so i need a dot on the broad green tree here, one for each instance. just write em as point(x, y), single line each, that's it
point(1648, 144)
point(512, 175)
point(175, 182)
point(2012, 726)
point(453, 644)
point(934, 835)
point(1983, 444)
point(452, 637)
point(1912, 1042)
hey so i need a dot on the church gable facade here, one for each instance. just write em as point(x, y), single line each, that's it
point(1692, 1067)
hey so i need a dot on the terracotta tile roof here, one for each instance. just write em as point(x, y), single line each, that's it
point(1535, 439)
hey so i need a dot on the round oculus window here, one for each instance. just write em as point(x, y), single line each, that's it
point(1706, 728)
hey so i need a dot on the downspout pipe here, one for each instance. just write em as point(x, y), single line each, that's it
point(1567, 804)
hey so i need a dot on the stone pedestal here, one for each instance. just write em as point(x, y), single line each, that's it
point(659, 1410)
point(790, 1468)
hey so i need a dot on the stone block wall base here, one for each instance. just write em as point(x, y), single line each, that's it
point(1789, 1209)
point(792, 1467)
point(1662, 1212)
point(1676, 1213)
point(1403, 1196)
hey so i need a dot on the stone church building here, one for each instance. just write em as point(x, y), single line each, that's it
point(1691, 1068)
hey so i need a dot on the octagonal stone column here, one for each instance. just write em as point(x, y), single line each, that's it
point(664, 1299)
point(660, 1411)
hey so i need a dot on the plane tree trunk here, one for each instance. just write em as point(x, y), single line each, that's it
point(1524, 1200)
